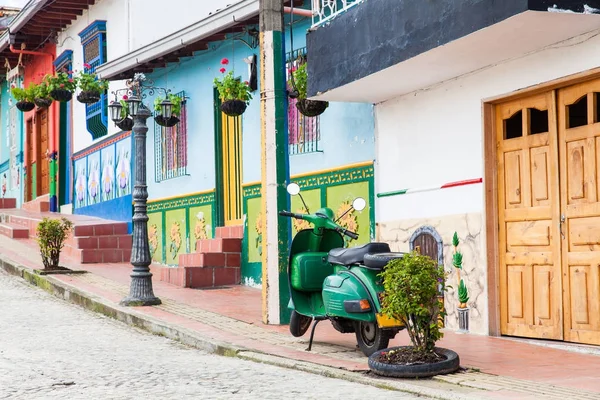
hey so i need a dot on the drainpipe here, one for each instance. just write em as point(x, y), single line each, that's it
point(298, 11)
point(52, 195)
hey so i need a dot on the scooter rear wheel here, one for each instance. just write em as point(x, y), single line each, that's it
point(299, 324)
point(370, 337)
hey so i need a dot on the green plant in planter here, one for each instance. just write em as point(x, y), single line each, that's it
point(463, 294)
point(300, 80)
point(61, 80)
point(124, 109)
point(308, 108)
point(25, 95)
point(89, 82)
point(411, 296)
point(230, 88)
point(51, 237)
point(176, 100)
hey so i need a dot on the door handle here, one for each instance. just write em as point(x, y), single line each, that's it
point(560, 225)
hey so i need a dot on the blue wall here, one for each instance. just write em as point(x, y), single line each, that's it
point(11, 171)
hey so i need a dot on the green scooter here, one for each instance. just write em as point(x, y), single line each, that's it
point(327, 281)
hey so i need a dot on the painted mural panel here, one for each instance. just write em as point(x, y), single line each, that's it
point(123, 172)
point(313, 201)
point(108, 173)
point(155, 229)
point(254, 231)
point(200, 222)
point(81, 183)
point(93, 178)
point(340, 198)
point(176, 235)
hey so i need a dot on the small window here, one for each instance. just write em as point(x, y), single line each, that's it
point(170, 147)
point(513, 126)
point(577, 113)
point(538, 121)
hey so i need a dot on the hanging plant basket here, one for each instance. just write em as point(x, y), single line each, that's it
point(62, 95)
point(166, 122)
point(43, 103)
point(88, 97)
point(311, 108)
point(126, 124)
point(25, 106)
point(233, 108)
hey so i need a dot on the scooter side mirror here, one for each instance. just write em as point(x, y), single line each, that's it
point(293, 189)
point(359, 204)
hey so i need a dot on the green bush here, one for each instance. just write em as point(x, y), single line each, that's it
point(27, 95)
point(51, 237)
point(173, 98)
point(411, 296)
point(301, 79)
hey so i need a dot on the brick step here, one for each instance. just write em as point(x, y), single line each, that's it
point(98, 256)
point(219, 245)
point(8, 202)
point(14, 231)
point(210, 260)
point(227, 232)
point(201, 277)
point(100, 242)
point(40, 204)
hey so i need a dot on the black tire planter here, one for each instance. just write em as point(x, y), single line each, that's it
point(25, 106)
point(126, 124)
point(62, 95)
point(449, 365)
point(233, 108)
point(168, 123)
point(88, 97)
point(43, 103)
point(311, 108)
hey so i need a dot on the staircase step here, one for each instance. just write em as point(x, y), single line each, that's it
point(119, 228)
point(210, 260)
point(14, 231)
point(219, 245)
point(8, 202)
point(226, 232)
point(200, 277)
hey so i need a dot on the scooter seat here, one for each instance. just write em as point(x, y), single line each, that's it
point(355, 255)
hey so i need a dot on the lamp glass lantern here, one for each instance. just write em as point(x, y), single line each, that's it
point(166, 108)
point(134, 105)
point(115, 111)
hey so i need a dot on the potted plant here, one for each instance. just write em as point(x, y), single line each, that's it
point(61, 86)
point(51, 237)
point(126, 123)
point(411, 296)
point(91, 87)
point(175, 111)
point(24, 97)
point(42, 95)
point(308, 108)
point(234, 94)
point(463, 293)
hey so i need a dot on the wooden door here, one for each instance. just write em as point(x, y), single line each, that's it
point(42, 162)
point(29, 163)
point(231, 136)
point(579, 138)
point(529, 236)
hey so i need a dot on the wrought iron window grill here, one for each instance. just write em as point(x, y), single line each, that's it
point(170, 147)
point(324, 10)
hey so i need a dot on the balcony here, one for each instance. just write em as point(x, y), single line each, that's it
point(376, 50)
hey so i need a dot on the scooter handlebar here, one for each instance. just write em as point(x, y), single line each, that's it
point(348, 233)
point(289, 214)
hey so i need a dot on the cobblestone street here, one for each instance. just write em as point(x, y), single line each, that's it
point(53, 350)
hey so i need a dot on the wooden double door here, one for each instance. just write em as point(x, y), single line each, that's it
point(38, 177)
point(548, 153)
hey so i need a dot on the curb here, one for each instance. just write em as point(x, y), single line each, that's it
point(189, 338)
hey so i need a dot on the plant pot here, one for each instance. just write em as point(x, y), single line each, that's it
point(162, 121)
point(25, 106)
point(447, 366)
point(126, 124)
point(43, 103)
point(311, 108)
point(233, 108)
point(463, 319)
point(88, 97)
point(62, 95)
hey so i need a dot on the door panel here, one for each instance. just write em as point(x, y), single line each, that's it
point(231, 129)
point(528, 193)
point(31, 156)
point(579, 138)
point(43, 176)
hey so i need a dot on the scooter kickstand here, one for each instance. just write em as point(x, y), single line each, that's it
point(312, 333)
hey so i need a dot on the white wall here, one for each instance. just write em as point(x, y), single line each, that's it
point(130, 25)
point(434, 136)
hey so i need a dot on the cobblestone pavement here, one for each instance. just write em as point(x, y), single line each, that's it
point(53, 350)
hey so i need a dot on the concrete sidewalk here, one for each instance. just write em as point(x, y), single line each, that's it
point(228, 321)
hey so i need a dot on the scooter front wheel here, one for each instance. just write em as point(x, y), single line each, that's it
point(371, 337)
point(299, 324)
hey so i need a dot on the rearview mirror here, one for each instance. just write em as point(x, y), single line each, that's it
point(359, 204)
point(293, 189)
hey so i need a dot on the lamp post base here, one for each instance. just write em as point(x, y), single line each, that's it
point(135, 302)
point(141, 293)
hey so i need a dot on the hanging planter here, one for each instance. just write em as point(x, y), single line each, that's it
point(169, 108)
point(308, 108)
point(61, 86)
point(25, 106)
point(24, 97)
point(233, 108)
point(125, 124)
point(88, 97)
point(43, 103)
point(235, 94)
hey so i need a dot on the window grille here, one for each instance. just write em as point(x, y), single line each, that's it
point(304, 133)
point(93, 40)
point(170, 147)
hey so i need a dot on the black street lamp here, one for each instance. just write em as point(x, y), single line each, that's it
point(140, 291)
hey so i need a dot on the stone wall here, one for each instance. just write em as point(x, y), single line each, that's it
point(472, 245)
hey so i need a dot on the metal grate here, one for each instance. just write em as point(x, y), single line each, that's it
point(304, 133)
point(324, 10)
point(170, 147)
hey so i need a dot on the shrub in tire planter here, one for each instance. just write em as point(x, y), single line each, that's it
point(411, 295)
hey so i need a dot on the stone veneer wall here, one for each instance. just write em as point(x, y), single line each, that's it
point(472, 245)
